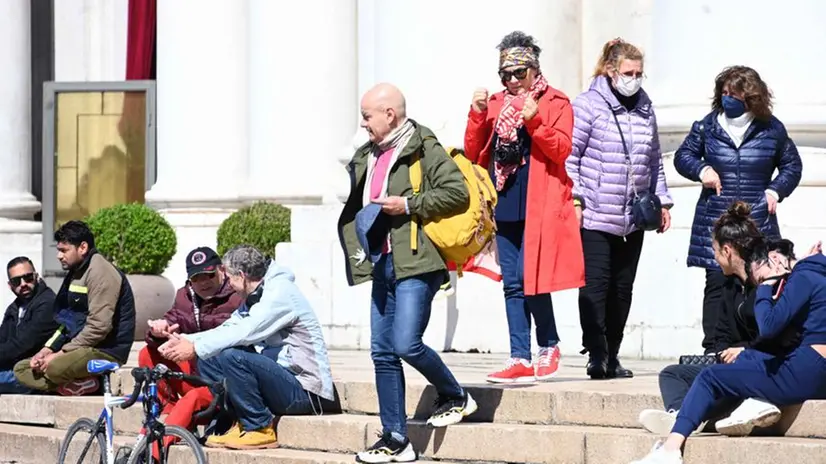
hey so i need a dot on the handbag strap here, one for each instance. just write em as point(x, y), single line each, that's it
point(631, 183)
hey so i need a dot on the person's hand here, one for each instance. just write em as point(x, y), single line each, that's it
point(771, 201)
point(666, 224)
point(37, 359)
point(177, 349)
point(729, 355)
point(772, 270)
point(712, 180)
point(816, 249)
point(578, 212)
point(480, 100)
point(393, 206)
point(44, 364)
point(160, 328)
point(529, 109)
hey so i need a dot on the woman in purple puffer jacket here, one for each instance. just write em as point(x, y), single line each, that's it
point(605, 178)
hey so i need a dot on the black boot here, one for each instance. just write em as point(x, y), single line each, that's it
point(614, 369)
point(597, 367)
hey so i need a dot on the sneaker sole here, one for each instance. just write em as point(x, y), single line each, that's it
point(387, 459)
point(516, 380)
point(744, 428)
point(545, 378)
point(471, 408)
point(252, 447)
point(215, 445)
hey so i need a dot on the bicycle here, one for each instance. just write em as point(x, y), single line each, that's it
point(146, 392)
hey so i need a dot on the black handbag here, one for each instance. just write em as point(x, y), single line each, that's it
point(646, 209)
point(700, 359)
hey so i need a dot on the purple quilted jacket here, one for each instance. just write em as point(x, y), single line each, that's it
point(597, 163)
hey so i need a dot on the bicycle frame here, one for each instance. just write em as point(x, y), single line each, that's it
point(106, 418)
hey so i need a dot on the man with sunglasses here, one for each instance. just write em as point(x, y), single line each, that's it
point(96, 312)
point(27, 323)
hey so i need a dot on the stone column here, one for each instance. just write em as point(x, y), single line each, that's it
point(202, 105)
point(16, 200)
point(303, 107)
point(302, 86)
point(19, 234)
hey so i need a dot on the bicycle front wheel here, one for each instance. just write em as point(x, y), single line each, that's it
point(84, 443)
point(185, 450)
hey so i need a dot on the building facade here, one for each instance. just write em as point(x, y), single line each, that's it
point(258, 99)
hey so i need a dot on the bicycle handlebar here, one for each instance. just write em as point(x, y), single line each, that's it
point(160, 372)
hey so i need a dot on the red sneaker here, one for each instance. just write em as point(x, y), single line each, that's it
point(79, 387)
point(516, 370)
point(547, 364)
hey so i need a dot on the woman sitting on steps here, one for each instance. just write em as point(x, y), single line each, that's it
point(780, 380)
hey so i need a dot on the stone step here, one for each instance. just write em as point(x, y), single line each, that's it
point(39, 445)
point(605, 405)
point(334, 439)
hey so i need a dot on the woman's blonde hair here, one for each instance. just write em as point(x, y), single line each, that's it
point(613, 52)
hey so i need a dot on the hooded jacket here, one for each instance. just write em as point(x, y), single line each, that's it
point(802, 303)
point(278, 319)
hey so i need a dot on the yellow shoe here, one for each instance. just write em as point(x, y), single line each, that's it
point(257, 439)
point(219, 441)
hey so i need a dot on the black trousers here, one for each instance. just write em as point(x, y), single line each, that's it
point(712, 299)
point(605, 300)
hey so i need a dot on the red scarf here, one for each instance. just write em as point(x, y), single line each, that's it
point(509, 122)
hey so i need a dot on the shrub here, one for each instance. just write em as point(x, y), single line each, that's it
point(262, 225)
point(134, 237)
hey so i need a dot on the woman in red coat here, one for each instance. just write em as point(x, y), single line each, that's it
point(523, 136)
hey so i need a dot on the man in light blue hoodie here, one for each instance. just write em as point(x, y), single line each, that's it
point(271, 351)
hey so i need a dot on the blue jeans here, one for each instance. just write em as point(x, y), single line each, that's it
point(519, 307)
point(257, 386)
point(9, 384)
point(399, 313)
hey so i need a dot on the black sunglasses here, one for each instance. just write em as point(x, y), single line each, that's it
point(520, 74)
point(28, 278)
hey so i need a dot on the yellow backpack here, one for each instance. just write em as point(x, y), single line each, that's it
point(461, 236)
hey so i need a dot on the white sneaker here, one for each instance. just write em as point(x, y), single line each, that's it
point(659, 455)
point(661, 422)
point(752, 413)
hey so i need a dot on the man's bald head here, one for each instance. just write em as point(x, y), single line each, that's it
point(383, 108)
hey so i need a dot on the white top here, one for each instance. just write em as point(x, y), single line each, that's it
point(736, 128)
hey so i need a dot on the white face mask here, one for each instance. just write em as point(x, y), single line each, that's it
point(627, 86)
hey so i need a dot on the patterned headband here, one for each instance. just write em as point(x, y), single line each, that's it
point(518, 56)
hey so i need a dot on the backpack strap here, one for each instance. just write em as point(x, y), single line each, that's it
point(415, 171)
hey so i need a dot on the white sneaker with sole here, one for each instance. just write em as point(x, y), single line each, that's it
point(659, 455)
point(661, 422)
point(752, 413)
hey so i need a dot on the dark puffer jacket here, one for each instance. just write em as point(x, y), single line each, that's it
point(745, 173)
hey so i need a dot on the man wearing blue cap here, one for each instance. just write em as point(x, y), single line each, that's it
point(375, 235)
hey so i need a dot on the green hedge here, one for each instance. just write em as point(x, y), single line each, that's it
point(134, 237)
point(262, 225)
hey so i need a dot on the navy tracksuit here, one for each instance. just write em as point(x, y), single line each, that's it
point(782, 380)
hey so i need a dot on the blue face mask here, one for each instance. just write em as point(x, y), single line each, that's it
point(733, 107)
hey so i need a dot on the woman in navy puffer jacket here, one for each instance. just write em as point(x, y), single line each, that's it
point(734, 152)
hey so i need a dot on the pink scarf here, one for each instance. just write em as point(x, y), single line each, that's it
point(509, 122)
